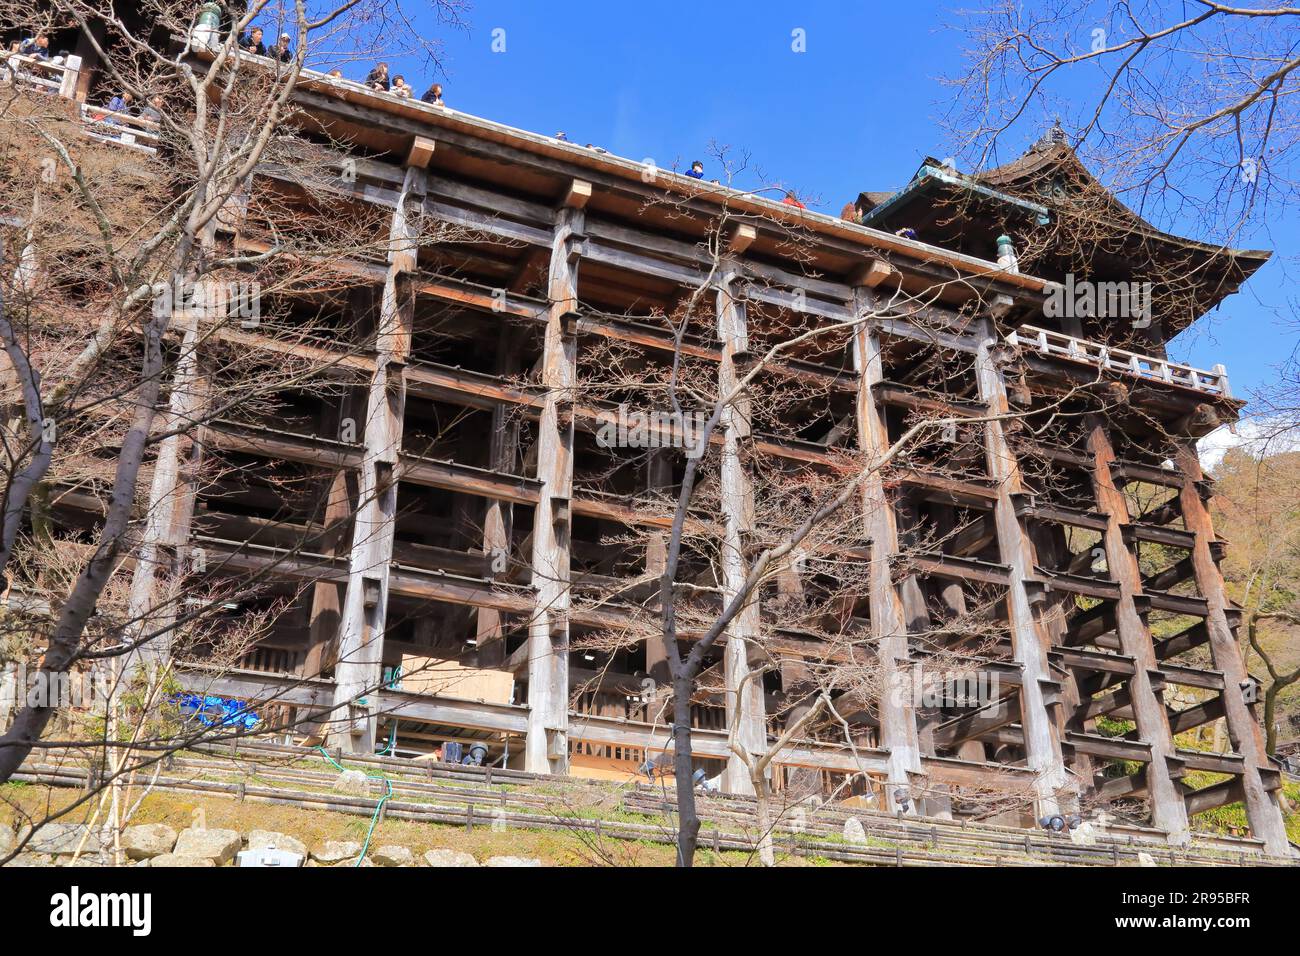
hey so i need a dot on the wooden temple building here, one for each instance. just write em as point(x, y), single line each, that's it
point(451, 512)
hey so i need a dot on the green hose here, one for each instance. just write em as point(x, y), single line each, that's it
point(392, 741)
point(374, 819)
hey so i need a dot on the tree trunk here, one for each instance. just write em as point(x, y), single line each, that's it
point(688, 824)
point(763, 811)
point(1270, 721)
point(65, 641)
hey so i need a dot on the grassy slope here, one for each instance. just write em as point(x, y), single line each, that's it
point(1232, 818)
point(552, 847)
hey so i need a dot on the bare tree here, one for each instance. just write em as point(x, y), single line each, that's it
point(1187, 107)
point(1186, 112)
point(122, 280)
point(1257, 512)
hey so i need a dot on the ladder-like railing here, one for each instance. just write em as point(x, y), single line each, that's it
point(61, 79)
point(1111, 359)
point(58, 78)
point(109, 127)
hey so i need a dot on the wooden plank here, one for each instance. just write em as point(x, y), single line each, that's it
point(899, 734)
point(437, 677)
point(1109, 748)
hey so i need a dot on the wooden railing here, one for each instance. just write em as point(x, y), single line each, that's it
point(1111, 359)
point(109, 127)
point(61, 79)
point(57, 78)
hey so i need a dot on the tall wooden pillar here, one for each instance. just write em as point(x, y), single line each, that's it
point(165, 556)
point(898, 729)
point(949, 591)
point(336, 509)
point(547, 747)
point(498, 515)
point(1050, 547)
point(326, 597)
point(1168, 808)
point(953, 602)
point(1247, 736)
point(1028, 641)
point(358, 672)
point(799, 688)
point(936, 801)
point(745, 708)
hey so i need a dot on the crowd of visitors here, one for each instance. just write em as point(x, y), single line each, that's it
point(37, 47)
point(252, 41)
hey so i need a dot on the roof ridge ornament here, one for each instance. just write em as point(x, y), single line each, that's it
point(1055, 136)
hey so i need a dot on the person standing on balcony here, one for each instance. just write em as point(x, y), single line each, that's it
point(433, 95)
point(696, 171)
point(121, 103)
point(281, 49)
point(252, 42)
point(377, 79)
point(402, 88)
point(153, 109)
point(37, 47)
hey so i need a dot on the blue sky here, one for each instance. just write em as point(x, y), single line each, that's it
point(857, 110)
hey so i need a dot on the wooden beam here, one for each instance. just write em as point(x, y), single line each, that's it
point(972, 726)
point(578, 195)
point(1262, 810)
point(741, 238)
point(744, 707)
point(547, 748)
point(1196, 715)
point(871, 273)
point(1168, 811)
point(1215, 796)
point(365, 606)
point(420, 153)
point(899, 734)
point(1043, 752)
point(1109, 748)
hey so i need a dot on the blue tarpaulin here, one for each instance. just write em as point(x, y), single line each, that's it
point(213, 711)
